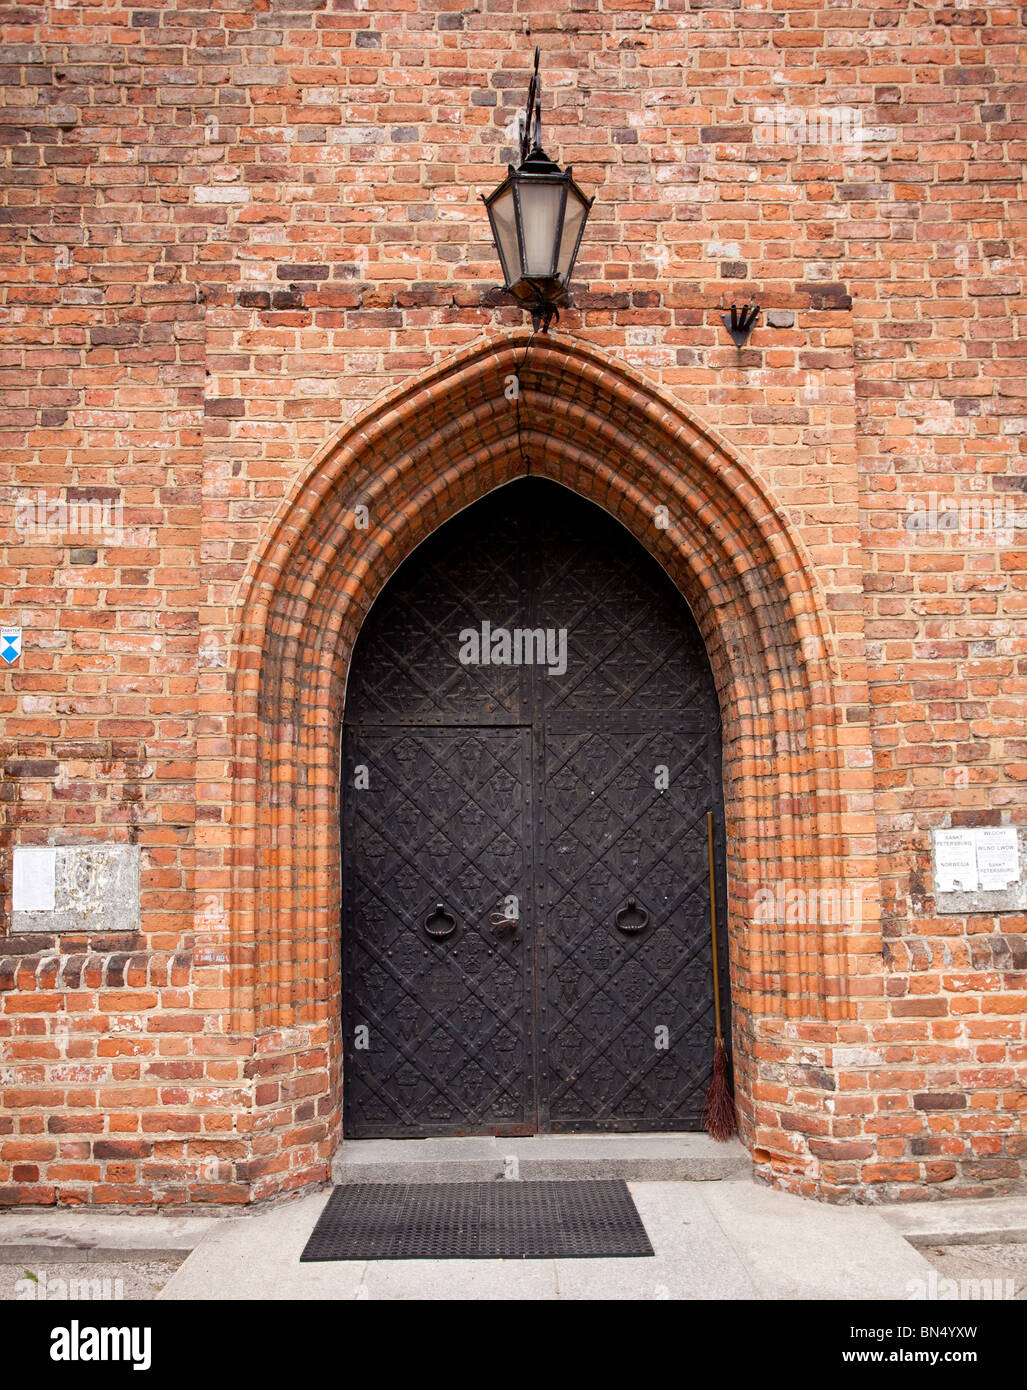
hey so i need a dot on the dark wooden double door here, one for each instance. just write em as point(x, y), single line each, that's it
point(526, 931)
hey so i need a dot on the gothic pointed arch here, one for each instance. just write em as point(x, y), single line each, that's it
point(554, 407)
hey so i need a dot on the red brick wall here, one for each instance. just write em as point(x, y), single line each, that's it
point(229, 235)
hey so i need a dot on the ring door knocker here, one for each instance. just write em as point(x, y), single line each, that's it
point(631, 919)
point(439, 923)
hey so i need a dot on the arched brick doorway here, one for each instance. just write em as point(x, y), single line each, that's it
point(414, 460)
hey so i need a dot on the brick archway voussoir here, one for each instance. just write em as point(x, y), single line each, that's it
point(416, 460)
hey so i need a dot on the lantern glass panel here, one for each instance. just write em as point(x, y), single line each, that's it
point(541, 201)
point(503, 215)
point(573, 218)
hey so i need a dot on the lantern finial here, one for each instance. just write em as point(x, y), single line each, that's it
point(531, 131)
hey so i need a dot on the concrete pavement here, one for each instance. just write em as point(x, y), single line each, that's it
point(712, 1240)
point(716, 1233)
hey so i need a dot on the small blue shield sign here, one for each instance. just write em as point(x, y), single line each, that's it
point(10, 644)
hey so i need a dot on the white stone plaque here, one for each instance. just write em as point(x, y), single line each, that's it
point(34, 888)
point(82, 887)
point(955, 857)
point(998, 857)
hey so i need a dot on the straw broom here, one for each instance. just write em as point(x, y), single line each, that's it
point(719, 1110)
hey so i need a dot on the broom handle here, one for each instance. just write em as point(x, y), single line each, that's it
point(713, 924)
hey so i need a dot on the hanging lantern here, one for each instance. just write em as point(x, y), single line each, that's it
point(538, 215)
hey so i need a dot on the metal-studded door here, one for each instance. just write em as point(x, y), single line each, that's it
point(531, 745)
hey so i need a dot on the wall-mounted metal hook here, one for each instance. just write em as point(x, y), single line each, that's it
point(740, 322)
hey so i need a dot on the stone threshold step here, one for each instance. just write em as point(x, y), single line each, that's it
point(556, 1157)
point(94, 1236)
point(949, 1221)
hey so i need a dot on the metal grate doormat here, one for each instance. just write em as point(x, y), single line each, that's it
point(479, 1221)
